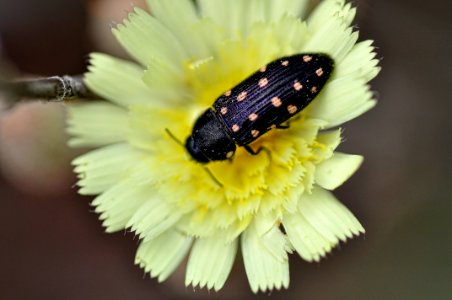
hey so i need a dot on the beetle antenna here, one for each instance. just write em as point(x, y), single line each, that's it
point(213, 177)
point(172, 136)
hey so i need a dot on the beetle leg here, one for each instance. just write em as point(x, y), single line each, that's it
point(286, 125)
point(281, 126)
point(252, 152)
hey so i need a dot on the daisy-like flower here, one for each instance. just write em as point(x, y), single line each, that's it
point(187, 54)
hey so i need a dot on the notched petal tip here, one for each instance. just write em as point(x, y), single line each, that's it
point(161, 256)
point(210, 262)
point(265, 258)
point(320, 224)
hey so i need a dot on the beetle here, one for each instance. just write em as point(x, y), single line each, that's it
point(263, 101)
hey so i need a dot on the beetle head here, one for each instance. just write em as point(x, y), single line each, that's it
point(209, 141)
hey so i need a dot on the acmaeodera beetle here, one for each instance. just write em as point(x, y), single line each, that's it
point(269, 97)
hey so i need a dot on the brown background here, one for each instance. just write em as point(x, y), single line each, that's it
point(52, 246)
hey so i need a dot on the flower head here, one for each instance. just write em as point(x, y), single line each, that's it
point(276, 202)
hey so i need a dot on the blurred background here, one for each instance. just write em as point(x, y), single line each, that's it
point(52, 245)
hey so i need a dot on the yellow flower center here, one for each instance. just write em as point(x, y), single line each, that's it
point(210, 77)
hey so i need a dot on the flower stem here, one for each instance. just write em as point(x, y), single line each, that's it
point(51, 89)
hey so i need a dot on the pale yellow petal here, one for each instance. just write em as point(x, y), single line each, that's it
point(283, 178)
point(231, 15)
point(291, 33)
point(333, 38)
point(119, 203)
point(167, 85)
point(96, 124)
point(266, 263)
point(237, 16)
point(118, 81)
point(325, 144)
point(180, 17)
point(209, 33)
point(145, 38)
point(264, 222)
point(102, 168)
point(280, 8)
point(360, 62)
point(153, 217)
point(210, 262)
point(334, 220)
point(148, 126)
point(162, 255)
point(320, 224)
point(329, 9)
point(309, 244)
point(341, 100)
point(335, 171)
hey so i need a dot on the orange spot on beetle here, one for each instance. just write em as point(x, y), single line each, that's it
point(252, 117)
point(297, 85)
point(241, 96)
point(263, 82)
point(319, 72)
point(276, 101)
point(292, 109)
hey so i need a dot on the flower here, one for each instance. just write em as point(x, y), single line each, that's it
point(186, 55)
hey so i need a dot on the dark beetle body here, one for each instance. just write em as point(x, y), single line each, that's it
point(263, 101)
